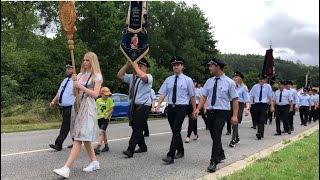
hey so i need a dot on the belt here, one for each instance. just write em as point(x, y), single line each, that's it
point(215, 111)
point(178, 105)
point(66, 106)
point(283, 105)
point(140, 105)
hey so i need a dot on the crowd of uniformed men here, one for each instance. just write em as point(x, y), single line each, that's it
point(220, 101)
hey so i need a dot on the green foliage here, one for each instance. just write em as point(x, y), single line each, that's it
point(34, 111)
point(251, 65)
point(33, 65)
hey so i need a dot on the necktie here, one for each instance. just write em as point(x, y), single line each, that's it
point(214, 92)
point(260, 96)
point(62, 91)
point(174, 96)
point(280, 98)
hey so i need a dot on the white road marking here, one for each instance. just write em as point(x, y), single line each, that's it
point(112, 140)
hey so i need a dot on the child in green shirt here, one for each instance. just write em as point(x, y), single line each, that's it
point(105, 109)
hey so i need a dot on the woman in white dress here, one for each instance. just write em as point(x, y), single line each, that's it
point(84, 126)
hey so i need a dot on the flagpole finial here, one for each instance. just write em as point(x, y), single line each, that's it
point(270, 45)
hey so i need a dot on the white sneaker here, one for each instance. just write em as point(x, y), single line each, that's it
point(187, 140)
point(64, 172)
point(94, 165)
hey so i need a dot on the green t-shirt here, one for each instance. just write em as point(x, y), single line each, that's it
point(104, 107)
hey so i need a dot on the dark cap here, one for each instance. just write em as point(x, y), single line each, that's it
point(261, 76)
point(177, 59)
point(289, 82)
point(143, 61)
point(69, 65)
point(238, 73)
point(217, 61)
point(283, 82)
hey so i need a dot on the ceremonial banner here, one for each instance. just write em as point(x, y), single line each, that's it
point(268, 67)
point(134, 40)
point(308, 84)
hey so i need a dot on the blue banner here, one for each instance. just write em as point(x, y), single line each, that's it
point(134, 40)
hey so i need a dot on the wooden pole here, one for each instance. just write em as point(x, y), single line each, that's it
point(68, 17)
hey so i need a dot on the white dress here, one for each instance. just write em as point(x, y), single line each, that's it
point(84, 125)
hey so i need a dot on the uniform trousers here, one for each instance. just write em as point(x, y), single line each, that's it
point(304, 114)
point(146, 127)
point(253, 113)
point(282, 113)
point(65, 126)
point(193, 125)
point(140, 116)
point(261, 114)
point(311, 114)
point(291, 114)
point(235, 129)
point(176, 115)
point(216, 122)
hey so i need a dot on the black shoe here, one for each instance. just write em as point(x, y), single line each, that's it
point(212, 167)
point(70, 146)
point(221, 158)
point(106, 148)
point(254, 127)
point(301, 124)
point(97, 151)
point(228, 133)
point(168, 160)
point(178, 155)
point(232, 143)
point(238, 140)
point(292, 129)
point(284, 131)
point(258, 136)
point(305, 124)
point(277, 134)
point(141, 150)
point(289, 132)
point(128, 153)
point(55, 147)
point(239, 122)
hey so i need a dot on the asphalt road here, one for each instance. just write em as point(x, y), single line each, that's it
point(27, 155)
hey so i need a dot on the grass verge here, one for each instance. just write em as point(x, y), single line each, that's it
point(299, 160)
point(22, 127)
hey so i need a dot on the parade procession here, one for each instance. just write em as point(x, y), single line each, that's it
point(140, 91)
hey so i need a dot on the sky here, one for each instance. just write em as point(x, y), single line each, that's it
point(247, 26)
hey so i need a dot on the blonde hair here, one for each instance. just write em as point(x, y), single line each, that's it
point(94, 63)
point(241, 81)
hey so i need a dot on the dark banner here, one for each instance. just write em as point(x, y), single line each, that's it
point(134, 40)
point(268, 67)
point(308, 84)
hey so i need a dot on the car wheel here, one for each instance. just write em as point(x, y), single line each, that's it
point(164, 113)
